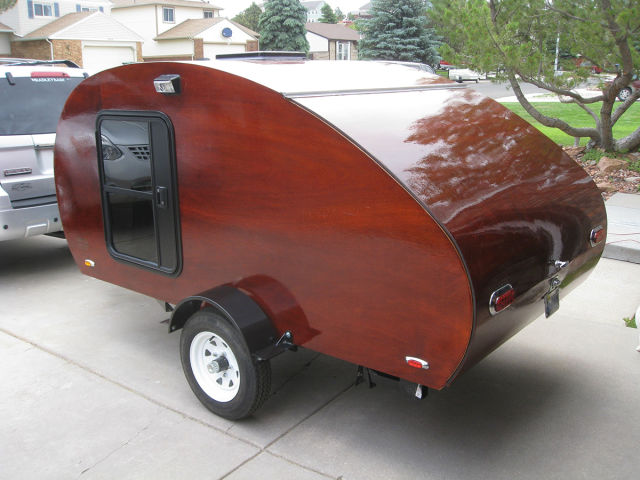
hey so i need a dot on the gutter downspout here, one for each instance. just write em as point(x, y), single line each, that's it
point(50, 47)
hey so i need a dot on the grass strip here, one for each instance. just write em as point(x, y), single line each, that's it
point(576, 117)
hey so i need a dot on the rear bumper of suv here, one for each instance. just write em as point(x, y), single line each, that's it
point(27, 221)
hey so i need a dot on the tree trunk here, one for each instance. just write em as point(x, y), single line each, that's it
point(607, 142)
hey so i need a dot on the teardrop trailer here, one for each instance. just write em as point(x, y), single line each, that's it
point(371, 212)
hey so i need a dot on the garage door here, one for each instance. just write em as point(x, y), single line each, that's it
point(213, 49)
point(99, 58)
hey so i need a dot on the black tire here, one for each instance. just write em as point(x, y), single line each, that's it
point(624, 94)
point(202, 333)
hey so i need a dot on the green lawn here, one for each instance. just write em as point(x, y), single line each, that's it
point(575, 116)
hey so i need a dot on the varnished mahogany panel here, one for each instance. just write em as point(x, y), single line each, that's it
point(510, 197)
point(277, 202)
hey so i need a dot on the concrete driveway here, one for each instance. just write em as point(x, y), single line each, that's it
point(92, 388)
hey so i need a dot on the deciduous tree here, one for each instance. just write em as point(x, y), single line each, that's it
point(249, 17)
point(6, 4)
point(327, 14)
point(513, 37)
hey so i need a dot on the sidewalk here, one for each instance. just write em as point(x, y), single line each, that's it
point(548, 96)
point(623, 233)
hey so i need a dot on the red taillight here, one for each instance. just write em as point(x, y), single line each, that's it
point(501, 299)
point(597, 235)
point(49, 75)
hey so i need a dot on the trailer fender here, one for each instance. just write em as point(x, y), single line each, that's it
point(238, 309)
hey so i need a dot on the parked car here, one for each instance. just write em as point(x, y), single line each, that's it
point(462, 74)
point(32, 94)
point(628, 90)
point(444, 65)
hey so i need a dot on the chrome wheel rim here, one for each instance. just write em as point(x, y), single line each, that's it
point(214, 366)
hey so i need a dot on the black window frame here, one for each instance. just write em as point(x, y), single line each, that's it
point(166, 236)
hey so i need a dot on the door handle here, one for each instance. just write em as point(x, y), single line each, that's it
point(161, 197)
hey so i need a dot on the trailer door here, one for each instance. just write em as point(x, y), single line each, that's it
point(139, 189)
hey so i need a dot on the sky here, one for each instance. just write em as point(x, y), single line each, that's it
point(233, 7)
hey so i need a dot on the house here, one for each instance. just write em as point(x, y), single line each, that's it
point(328, 41)
point(93, 40)
point(152, 18)
point(28, 15)
point(314, 10)
point(363, 12)
point(205, 38)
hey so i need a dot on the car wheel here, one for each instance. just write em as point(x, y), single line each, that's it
point(219, 367)
point(624, 94)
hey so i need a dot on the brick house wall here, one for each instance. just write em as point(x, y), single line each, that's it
point(38, 49)
point(68, 50)
point(41, 50)
point(198, 48)
point(354, 51)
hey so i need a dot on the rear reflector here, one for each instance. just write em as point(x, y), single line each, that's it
point(49, 75)
point(417, 363)
point(501, 299)
point(597, 235)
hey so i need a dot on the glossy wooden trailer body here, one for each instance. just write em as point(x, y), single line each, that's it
point(371, 210)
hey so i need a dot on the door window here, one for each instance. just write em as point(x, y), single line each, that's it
point(136, 155)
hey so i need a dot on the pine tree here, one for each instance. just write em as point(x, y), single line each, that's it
point(282, 26)
point(327, 14)
point(398, 30)
point(339, 14)
point(248, 17)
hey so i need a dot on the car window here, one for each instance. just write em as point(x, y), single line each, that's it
point(33, 105)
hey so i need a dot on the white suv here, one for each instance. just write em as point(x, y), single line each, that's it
point(32, 95)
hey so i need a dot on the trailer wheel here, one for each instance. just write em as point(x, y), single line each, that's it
point(219, 367)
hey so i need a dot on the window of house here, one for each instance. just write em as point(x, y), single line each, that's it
point(168, 15)
point(42, 10)
point(343, 50)
point(208, 14)
point(139, 194)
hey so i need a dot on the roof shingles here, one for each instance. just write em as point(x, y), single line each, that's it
point(60, 24)
point(169, 3)
point(333, 31)
point(191, 28)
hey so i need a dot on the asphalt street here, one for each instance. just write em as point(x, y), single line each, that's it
point(502, 89)
point(92, 388)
